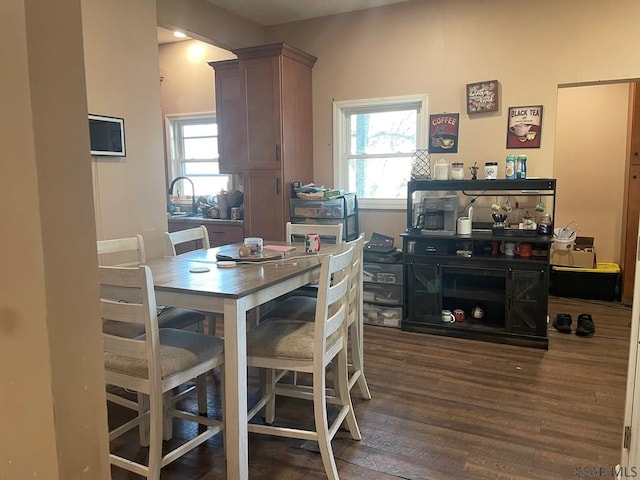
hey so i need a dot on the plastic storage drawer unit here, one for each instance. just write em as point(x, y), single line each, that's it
point(375, 272)
point(600, 283)
point(338, 208)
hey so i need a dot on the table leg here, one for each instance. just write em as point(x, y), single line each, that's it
point(235, 389)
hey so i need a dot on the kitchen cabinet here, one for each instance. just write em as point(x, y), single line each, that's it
point(276, 148)
point(263, 215)
point(447, 271)
point(232, 144)
point(221, 232)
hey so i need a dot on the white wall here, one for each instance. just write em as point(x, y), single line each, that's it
point(123, 80)
point(52, 397)
point(439, 47)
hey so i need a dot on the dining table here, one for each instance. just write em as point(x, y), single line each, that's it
point(198, 280)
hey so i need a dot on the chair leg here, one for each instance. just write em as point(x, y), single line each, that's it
point(357, 357)
point(157, 416)
point(322, 426)
point(341, 385)
point(201, 393)
point(211, 324)
point(167, 429)
point(143, 427)
point(269, 386)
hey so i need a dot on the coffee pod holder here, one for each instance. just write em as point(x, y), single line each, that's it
point(421, 165)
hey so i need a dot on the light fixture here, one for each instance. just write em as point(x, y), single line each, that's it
point(179, 34)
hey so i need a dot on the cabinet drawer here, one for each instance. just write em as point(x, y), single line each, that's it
point(380, 315)
point(387, 294)
point(225, 234)
point(378, 273)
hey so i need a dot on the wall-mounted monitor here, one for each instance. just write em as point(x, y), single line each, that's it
point(107, 136)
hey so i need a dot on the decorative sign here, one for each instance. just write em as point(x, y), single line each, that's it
point(443, 132)
point(524, 127)
point(482, 97)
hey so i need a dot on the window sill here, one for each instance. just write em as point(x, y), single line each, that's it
point(382, 204)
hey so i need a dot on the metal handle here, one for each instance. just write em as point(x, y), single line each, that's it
point(278, 185)
point(277, 152)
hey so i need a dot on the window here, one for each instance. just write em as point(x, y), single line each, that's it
point(374, 141)
point(193, 153)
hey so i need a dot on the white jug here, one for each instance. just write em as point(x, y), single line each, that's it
point(464, 223)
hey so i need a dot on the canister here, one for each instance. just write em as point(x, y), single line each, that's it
point(457, 171)
point(510, 167)
point(491, 170)
point(521, 166)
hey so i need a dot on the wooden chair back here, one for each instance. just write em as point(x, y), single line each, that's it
point(332, 300)
point(136, 285)
point(334, 231)
point(112, 252)
point(197, 234)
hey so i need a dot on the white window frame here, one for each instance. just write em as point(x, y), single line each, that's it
point(175, 163)
point(341, 139)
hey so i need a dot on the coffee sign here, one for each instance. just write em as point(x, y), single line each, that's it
point(443, 132)
point(524, 127)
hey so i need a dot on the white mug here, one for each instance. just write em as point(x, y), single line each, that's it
point(448, 317)
point(464, 223)
point(508, 248)
point(312, 243)
point(464, 226)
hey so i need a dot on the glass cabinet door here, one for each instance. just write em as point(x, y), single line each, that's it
point(527, 301)
point(425, 285)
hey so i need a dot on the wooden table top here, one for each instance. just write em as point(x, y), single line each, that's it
point(174, 273)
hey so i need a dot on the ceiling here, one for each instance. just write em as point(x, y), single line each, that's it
point(166, 36)
point(274, 12)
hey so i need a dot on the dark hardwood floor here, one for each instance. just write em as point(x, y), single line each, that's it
point(447, 408)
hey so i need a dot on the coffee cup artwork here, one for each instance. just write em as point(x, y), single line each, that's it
point(446, 143)
point(312, 243)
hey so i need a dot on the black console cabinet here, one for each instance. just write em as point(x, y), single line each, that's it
point(509, 293)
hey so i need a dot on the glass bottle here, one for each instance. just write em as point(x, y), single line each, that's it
point(545, 225)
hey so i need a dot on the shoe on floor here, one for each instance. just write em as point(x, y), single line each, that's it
point(585, 327)
point(562, 323)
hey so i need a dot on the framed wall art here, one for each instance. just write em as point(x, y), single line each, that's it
point(443, 132)
point(524, 126)
point(482, 97)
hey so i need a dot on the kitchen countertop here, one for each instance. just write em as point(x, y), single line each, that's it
point(201, 219)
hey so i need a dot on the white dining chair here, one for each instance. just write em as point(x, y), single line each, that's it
point(297, 231)
point(199, 238)
point(130, 251)
point(199, 235)
point(302, 307)
point(309, 347)
point(152, 365)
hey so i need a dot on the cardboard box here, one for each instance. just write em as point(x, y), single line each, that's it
point(583, 255)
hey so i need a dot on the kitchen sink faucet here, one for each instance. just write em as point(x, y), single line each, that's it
point(193, 192)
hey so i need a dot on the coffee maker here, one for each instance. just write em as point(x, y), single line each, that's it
point(438, 215)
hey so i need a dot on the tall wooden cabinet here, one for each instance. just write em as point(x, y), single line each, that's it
point(264, 111)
